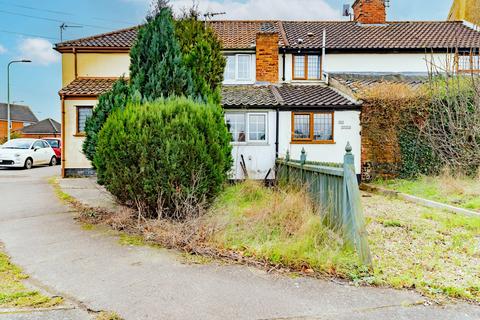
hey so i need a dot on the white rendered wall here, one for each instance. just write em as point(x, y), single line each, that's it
point(259, 157)
point(373, 63)
point(74, 157)
point(346, 129)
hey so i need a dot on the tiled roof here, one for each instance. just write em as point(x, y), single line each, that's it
point(243, 34)
point(88, 87)
point(392, 35)
point(120, 39)
point(340, 35)
point(17, 113)
point(248, 96)
point(242, 96)
point(358, 82)
point(285, 96)
point(46, 126)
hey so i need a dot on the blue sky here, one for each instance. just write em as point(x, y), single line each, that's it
point(28, 28)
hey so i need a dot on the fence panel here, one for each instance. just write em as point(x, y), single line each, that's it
point(334, 189)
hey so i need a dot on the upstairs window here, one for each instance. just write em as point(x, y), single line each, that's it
point(238, 68)
point(312, 127)
point(307, 67)
point(247, 126)
point(468, 62)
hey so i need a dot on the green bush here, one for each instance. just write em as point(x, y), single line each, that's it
point(167, 158)
point(107, 103)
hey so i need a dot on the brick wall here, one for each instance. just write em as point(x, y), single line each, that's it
point(3, 128)
point(267, 57)
point(370, 11)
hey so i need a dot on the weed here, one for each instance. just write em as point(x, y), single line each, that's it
point(108, 316)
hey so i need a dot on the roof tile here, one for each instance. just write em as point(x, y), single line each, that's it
point(88, 87)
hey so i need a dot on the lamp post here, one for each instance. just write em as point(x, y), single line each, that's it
point(9, 121)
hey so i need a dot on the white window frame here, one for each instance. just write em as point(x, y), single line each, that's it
point(247, 127)
point(236, 79)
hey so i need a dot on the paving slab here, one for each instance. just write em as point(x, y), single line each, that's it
point(73, 314)
point(90, 267)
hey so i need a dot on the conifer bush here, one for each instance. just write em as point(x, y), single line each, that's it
point(107, 103)
point(167, 158)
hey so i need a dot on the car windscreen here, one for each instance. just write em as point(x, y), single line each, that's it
point(53, 143)
point(17, 144)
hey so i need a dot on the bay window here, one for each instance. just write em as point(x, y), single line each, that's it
point(312, 127)
point(238, 68)
point(307, 67)
point(247, 126)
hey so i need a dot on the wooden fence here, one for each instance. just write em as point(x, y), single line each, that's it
point(334, 189)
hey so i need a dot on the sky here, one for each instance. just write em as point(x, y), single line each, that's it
point(29, 28)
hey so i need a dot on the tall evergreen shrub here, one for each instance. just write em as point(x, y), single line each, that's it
point(167, 158)
point(157, 68)
point(202, 54)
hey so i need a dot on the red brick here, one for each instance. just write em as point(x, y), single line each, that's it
point(370, 11)
point(267, 57)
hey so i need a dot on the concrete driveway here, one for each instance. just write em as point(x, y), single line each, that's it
point(94, 271)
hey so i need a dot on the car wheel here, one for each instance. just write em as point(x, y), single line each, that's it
point(53, 161)
point(28, 164)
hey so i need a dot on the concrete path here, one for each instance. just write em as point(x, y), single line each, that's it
point(92, 269)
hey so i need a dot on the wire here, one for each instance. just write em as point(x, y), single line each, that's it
point(28, 34)
point(53, 20)
point(61, 12)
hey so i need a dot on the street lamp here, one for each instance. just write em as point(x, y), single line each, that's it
point(9, 122)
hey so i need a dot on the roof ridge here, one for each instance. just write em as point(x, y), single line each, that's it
point(277, 95)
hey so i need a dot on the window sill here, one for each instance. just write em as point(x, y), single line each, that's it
point(80, 135)
point(248, 144)
point(311, 142)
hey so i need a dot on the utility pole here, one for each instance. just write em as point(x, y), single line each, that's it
point(9, 120)
point(64, 27)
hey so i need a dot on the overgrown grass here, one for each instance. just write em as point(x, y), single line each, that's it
point(13, 292)
point(279, 227)
point(432, 251)
point(458, 191)
point(108, 316)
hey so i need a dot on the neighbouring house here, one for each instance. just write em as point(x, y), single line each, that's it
point(47, 128)
point(284, 83)
point(468, 10)
point(20, 117)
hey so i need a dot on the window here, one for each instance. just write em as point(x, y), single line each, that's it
point(307, 67)
point(312, 127)
point(54, 143)
point(247, 127)
point(468, 62)
point(257, 127)
point(45, 144)
point(38, 145)
point(83, 113)
point(238, 68)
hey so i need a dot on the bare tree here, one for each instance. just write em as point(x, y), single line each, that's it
point(156, 6)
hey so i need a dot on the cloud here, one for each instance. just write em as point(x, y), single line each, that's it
point(38, 50)
point(2, 49)
point(264, 9)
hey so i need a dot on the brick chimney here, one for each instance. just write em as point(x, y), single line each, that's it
point(370, 11)
point(267, 57)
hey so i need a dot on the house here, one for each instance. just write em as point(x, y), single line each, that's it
point(20, 117)
point(468, 10)
point(278, 94)
point(47, 128)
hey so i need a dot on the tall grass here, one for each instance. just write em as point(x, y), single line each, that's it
point(281, 227)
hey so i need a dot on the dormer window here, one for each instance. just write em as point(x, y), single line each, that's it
point(238, 68)
point(307, 67)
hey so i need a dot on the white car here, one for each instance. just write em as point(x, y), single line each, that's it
point(25, 153)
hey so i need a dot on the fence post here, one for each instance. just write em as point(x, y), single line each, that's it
point(303, 159)
point(353, 219)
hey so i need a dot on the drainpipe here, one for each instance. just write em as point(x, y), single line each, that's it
point(283, 61)
point(277, 133)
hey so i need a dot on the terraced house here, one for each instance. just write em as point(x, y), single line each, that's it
point(287, 84)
